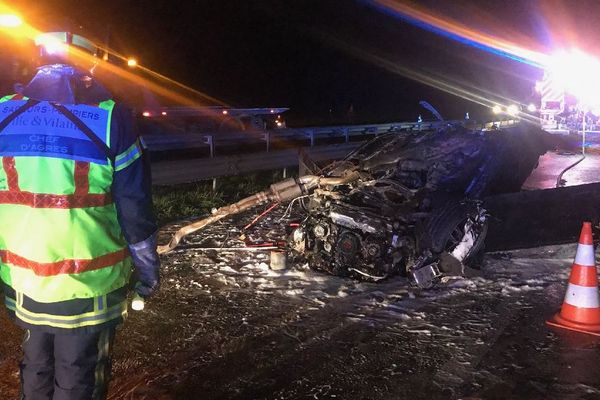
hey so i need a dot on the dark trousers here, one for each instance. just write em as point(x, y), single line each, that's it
point(66, 367)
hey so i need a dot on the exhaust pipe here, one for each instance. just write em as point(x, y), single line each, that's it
point(283, 191)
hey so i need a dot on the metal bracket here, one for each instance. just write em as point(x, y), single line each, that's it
point(209, 140)
point(426, 277)
point(267, 138)
point(346, 133)
point(311, 134)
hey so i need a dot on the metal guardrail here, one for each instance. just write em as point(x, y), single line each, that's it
point(183, 171)
point(499, 124)
point(167, 142)
point(300, 140)
point(218, 110)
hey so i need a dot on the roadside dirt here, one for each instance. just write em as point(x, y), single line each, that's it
point(224, 326)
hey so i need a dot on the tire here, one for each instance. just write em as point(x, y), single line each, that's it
point(445, 228)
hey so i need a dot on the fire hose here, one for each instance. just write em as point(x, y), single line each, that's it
point(279, 192)
point(559, 179)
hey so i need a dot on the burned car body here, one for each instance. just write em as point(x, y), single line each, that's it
point(417, 207)
point(403, 203)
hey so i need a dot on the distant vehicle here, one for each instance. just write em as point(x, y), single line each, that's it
point(216, 119)
point(568, 94)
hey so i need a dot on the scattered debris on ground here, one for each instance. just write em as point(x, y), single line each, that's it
point(225, 326)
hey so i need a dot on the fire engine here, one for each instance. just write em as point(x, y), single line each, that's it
point(568, 93)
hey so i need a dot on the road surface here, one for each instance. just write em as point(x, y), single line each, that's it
point(224, 326)
point(551, 164)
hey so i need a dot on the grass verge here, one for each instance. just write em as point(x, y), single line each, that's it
point(176, 202)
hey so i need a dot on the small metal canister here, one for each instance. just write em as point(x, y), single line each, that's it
point(278, 260)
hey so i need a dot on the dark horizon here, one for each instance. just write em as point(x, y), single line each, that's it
point(266, 53)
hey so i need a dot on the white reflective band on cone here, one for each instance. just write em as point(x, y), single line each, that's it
point(582, 296)
point(585, 255)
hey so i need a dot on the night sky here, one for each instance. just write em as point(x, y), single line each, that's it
point(287, 52)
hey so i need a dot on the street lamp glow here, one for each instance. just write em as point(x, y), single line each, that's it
point(10, 21)
point(496, 109)
point(512, 110)
point(132, 63)
point(531, 108)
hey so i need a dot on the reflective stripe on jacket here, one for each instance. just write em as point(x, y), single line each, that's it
point(60, 238)
point(72, 315)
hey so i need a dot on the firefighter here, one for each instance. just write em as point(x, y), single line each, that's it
point(77, 220)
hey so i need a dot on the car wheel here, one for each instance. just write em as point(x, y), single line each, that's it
point(448, 227)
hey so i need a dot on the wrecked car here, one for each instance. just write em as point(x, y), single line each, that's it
point(407, 203)
point(417, 206)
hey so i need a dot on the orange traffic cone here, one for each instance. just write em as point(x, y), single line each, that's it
point(581, 308)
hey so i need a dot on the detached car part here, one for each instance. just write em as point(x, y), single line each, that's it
point(280, 192)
